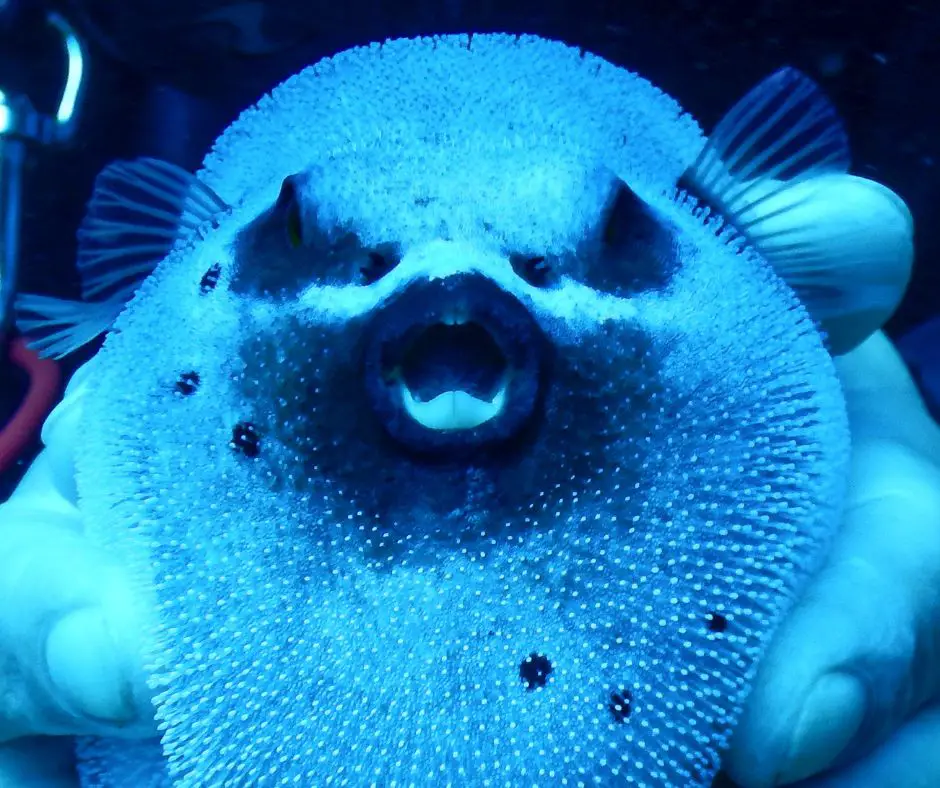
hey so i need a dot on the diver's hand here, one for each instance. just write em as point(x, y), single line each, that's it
point(850, 689)
point(66, 629)
point(69, 639)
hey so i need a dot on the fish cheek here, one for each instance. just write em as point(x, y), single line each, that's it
point(265, 263)
point(327, 451)
point(305, 379)
point(605, 397)
point(324, 447)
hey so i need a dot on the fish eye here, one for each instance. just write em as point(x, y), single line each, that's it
point(536, 270)
point(288, 206)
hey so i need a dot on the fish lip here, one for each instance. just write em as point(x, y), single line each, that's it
point(464, 299)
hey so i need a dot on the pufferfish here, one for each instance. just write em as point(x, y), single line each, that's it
point(469, 418)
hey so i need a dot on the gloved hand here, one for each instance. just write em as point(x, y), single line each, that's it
point(69, 639)
point(853, 677)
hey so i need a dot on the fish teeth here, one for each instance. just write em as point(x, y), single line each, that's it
point(454, 410)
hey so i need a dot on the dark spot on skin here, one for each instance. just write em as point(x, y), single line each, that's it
point(534, 670)
point(210, 278)
point(376, 268)
point(187, 383)
point(535, 270)
point(422, 202)
point(619, 704)
point(716, 622)
point(245, 439)
point(380, 261)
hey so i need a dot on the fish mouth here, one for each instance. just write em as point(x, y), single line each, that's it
point(454, 364)
point(453, 375)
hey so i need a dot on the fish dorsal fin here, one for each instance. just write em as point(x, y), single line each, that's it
point(775, 168)
point(137, 212)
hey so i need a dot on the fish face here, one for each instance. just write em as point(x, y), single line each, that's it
point(462, 368)
point(467, 449)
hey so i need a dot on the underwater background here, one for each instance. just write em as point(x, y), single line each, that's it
point(163, 78)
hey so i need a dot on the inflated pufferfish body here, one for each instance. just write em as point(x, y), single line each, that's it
point(450, 444)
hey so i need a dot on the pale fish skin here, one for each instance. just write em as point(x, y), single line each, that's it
point(459, 445)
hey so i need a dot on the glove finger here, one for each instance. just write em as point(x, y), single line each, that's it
point(69, 634)
point(857, 656)
point(910, 759)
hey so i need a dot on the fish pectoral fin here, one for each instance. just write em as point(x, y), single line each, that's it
point(784, 130)
point(775, 168)
point(845, 245)
point(137, 212)
point(55, 327)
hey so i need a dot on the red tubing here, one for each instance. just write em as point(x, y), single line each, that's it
point(44, 376)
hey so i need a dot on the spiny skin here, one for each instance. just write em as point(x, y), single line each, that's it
point(329, 609)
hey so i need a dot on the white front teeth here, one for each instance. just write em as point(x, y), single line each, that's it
point(453, 410)
point(453, 319)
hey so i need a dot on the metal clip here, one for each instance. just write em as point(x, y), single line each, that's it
point(18, 118)
point(20, 125)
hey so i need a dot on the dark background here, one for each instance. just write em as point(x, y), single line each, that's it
point(166, 76)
